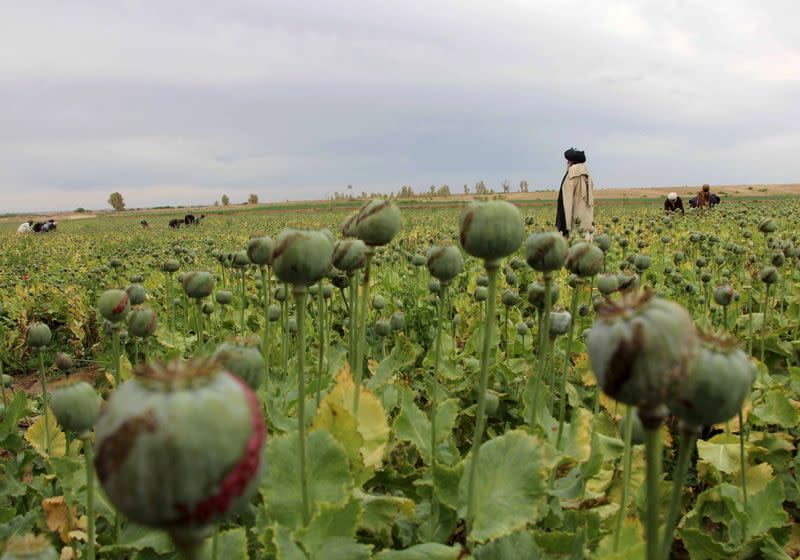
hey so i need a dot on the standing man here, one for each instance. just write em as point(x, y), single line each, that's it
point(576, 196)
point(673, 204)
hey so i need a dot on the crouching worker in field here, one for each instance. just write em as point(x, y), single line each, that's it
point(576, 196)
point(25, 227)
point(673, 204)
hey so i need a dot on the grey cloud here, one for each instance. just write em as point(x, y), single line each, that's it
point(166, 100)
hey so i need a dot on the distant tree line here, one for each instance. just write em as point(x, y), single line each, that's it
point(407, 191)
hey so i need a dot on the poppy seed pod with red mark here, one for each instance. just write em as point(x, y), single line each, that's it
point(378, 222)
point(180, 445)
point(720, 377)
point(142, 321)
point(491, 230)
point(301, 257)
point(639, 347)
point(114, 305)
point(546, 251)
point(444, 263)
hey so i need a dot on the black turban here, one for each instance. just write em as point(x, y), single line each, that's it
point(575, 156)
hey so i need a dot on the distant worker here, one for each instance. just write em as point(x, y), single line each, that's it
point(145, 225)
point(576, 195)
point(49, 226)
point(25, 227)
point(704, 197)
point(673, 204)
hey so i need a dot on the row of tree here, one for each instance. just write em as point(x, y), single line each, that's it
point(406, 191)
point(117, 202)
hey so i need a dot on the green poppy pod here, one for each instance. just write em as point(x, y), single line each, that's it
point(511, 279)
point(536, 291)
point(378, 302)
point(274, 312)
point(585, 259)
point(491, 230)
point(115, 263)
point(607, 283)
point(444, 262)
point(240, 259)
point(383, 327)
point(142, 321)
point(434, 286)
point(723, 294)
point(778, 259)
point(76, 406)
point(166, 420)
point(481, 293)
point(701, 262)
point(378, 222)
point(769, 275)
point(509, 298)
point(313, 290)
point(242, 358)
point(293, 324)
point(29, 547)
point(171, 265)
point(418, 260)
point(136, 293)
point(114, 305)
point(38, 335)
point(720, 377)
point(397, 321)
point(198, 284)
point(678, 258)
point(546, 251)
point(207, 308)
point(482, 281)
point(768, 225)
point(639, 347)
point(349, 254)
point(223, 297)
point(522, 329)
point(259, 250)
point(327, 291)
point(136, 279)
point(63, 361)
point(280, 294)
point(603, 241)
point(301, 257)
point(559, 323)
point(642, 262)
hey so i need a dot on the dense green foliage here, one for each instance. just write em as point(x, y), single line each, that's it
point(382, 483)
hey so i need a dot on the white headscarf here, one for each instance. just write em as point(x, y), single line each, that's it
point(672, 196)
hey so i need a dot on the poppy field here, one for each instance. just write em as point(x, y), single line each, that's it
point(404, 382)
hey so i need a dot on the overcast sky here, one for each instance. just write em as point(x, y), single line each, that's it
point(181, 101)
